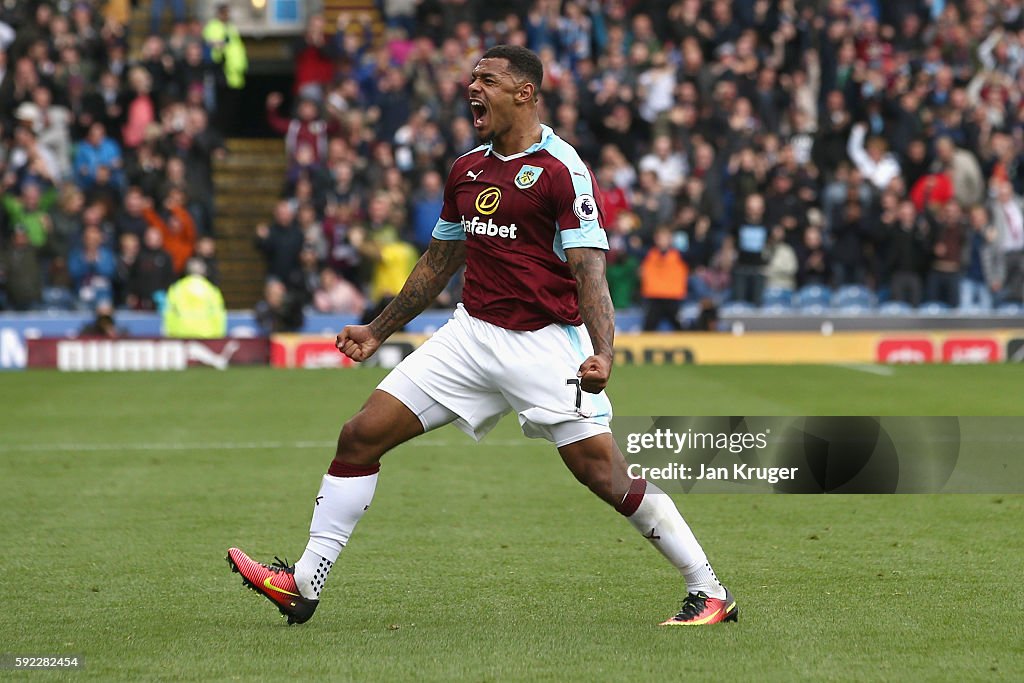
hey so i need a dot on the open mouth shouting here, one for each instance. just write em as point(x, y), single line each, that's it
point(481, 116)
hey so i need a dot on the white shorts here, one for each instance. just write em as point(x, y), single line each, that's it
point(471, 372)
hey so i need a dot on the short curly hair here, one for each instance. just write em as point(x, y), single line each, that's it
point(524, 63)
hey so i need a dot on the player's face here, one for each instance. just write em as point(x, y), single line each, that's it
point(492, 93)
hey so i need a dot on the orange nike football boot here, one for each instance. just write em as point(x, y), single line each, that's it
point(698, 610)
point(276, 582)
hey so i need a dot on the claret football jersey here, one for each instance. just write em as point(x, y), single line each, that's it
point(518, 215)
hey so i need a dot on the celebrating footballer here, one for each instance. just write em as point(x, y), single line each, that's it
point(533, 335)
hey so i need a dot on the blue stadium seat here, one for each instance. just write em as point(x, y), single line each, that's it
point(815, 309)
point(736, 308)
point(854, 309)
point(895, 308)
point(1009, 309)
point(776, 296)
point(853, 295)
point(812, 295)
point(57, 299)
point(689, 311)
point(697, 289)
point(933, 308)
point(629, 320)
point(776, 309)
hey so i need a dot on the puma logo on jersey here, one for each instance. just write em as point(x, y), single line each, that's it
point(474, 176)
point(476, 226)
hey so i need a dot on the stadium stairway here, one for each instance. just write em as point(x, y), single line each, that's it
point(332, 8)
point(247, 184)
point(138, 27)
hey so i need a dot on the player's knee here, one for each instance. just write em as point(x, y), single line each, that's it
point(359, 443)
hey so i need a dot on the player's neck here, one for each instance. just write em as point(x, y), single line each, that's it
point(518, 139)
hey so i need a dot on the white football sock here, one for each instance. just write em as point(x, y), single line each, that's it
point(660, 522)
point(340, 504)
point(309, 584)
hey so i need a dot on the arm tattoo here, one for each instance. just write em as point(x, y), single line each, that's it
point(432, 272)
point(588, 267)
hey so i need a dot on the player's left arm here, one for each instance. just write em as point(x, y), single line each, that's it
point(587, 265)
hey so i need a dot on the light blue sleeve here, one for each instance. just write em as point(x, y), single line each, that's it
point(448, 230)
point(584, 237)
point(579, 208)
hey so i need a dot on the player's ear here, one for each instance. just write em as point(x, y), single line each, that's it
point(527, 92)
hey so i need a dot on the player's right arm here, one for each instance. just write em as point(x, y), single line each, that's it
point(430, 276)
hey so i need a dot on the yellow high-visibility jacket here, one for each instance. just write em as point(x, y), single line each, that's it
point(195, 310)
point(228, 50)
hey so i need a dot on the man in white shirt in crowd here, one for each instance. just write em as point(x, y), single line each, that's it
point(872, 160)
point(1007, 210)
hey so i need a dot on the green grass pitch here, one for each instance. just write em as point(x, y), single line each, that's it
point(122, 492)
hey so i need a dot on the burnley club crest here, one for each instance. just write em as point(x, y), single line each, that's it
point(527, 176)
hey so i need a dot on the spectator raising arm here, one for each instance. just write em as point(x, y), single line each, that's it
point(872, 160)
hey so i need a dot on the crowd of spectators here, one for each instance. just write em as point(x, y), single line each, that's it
point(749, 148)
point(105, 157)
point(768, 145)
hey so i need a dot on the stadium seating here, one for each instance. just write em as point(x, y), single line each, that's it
point(812, 295)
point(934, 308)
point(895, 308)
point(1010, 309)
point(814, 309)
point(774, 296)
point(854, 309)
point(853, 296)
point(690, 311)
point(737, 308)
